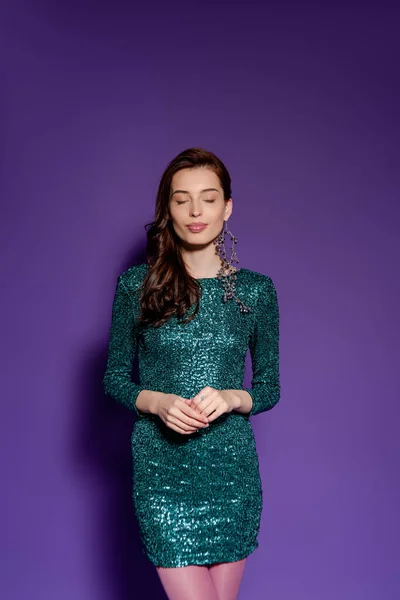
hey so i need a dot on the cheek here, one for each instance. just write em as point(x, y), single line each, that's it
point(179, 226)
point(176, 218)
point(179, 222)
point(217, 212)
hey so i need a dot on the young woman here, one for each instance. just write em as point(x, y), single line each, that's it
point(191, 315)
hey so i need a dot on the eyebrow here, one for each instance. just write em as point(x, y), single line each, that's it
point(186, 192)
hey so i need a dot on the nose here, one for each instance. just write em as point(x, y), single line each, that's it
point(194, 210)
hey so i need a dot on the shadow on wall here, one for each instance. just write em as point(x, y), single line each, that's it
point(101, 454)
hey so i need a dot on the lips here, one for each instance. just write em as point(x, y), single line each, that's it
point(196, 227)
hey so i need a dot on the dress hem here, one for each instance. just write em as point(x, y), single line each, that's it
point(209, 560)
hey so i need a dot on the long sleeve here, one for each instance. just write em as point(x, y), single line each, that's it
point(264, 351)
point(122, 349)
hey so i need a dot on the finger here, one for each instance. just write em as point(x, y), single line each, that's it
point(191, 412)
point(187, 421)
point(199, 413)
point(206, 392)
point(207, 406)
point(217, 413)
point(181, 424)
point(178, 429)
point(190, 404)
point(214, 411)
point(202, 405)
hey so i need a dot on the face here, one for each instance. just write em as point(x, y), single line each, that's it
point(196, 196)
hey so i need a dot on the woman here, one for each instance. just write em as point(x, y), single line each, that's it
point(191, 315)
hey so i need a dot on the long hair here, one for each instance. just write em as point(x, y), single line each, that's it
point(167, 288)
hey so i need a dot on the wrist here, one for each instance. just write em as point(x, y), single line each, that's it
point(240, 401)
point(154, 403)
point(148, 401)
point(233, 399)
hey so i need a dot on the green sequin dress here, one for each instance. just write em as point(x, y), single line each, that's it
point(197, 497)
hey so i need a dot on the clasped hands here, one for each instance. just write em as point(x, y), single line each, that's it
point(187, 415)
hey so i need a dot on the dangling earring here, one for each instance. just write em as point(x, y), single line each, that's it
point(228, 273)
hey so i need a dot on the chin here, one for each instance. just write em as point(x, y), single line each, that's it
point(200, 238)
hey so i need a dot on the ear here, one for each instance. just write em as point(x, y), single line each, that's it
point(228, 208)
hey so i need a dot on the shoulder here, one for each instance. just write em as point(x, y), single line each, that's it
point(133, 277)
point(259, 286)
point(256, 279)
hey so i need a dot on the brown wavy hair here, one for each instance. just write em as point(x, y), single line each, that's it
point(167, 288)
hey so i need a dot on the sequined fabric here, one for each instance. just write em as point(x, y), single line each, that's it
point(198, 498)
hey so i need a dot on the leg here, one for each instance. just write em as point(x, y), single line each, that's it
point(227, 578)
point(187, 583)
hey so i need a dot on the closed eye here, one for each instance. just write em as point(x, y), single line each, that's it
point(184, 201)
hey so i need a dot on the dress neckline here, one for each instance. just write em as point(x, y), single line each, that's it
point(206, 278)
point(213, 278)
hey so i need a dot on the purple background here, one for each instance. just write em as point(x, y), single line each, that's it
point(302, 104)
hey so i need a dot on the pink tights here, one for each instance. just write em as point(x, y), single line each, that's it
point(219, 581)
